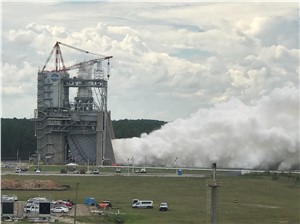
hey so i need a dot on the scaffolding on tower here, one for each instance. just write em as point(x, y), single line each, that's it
point(74, 129)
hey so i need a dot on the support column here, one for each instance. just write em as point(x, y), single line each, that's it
point(214, 196)
point(99, 141)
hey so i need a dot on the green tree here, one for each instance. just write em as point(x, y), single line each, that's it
point(17, 138)
point(17, 135)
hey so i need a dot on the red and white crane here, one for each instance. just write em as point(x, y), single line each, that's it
point(59, 62)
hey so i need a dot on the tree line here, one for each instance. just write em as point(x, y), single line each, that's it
point(18, 139)
point(134, 128)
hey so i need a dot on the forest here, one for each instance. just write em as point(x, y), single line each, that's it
point(18, 137)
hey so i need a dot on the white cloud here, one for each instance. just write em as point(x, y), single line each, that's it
point(187, 55)
point(18, 80)
point(18, 90)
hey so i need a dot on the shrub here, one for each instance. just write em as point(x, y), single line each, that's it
point(63, 171)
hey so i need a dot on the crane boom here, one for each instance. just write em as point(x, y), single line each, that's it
point(78, 49)
point(90, 62)
point(59, 58)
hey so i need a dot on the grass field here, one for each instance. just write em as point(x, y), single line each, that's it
point(260, 199)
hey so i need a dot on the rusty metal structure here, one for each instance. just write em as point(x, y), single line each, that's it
point(74, 130)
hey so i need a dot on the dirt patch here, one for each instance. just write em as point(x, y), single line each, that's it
point(10, 184)
point(261, 206)
point(81, 210)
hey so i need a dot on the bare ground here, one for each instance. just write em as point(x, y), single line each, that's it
point(8, 184)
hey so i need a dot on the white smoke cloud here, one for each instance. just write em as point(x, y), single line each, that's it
point(233, 134)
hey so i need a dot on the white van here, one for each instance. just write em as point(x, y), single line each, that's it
point(143, 204)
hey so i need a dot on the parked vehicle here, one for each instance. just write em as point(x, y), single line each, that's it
point(118, 170)
point(143, 170)
point(27, 208)
point(33, 204)
point(163, 206)
point(34, 208)
point(24, 169)
point(60, 209)
point(104, 204)
point(18, 170)
point(12, 197)
point(62, 203)
point(143, 204)
point(95, 171)
point(36, 200)
point(69, 201)
point(134, 201)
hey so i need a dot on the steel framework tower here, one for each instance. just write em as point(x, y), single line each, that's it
point(74, 130)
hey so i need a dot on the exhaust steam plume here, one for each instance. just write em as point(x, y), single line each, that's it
point(233, 134)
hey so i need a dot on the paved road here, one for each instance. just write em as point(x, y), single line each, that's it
point(103, 174)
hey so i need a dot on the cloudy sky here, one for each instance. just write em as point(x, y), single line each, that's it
point(169, 59)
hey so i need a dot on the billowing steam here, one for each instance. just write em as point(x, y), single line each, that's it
point(233, 134)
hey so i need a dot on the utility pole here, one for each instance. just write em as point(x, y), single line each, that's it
point(175, 161)
point(128, 166)
point(214, 196)
point(38, 161)
point(75, 203)
point(132, 159)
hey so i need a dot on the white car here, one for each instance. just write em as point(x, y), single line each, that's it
point(9, 197)
point(95, 171)
point(163, 206)
point(60, 209)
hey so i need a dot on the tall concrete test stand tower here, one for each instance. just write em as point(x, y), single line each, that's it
point(74, 130)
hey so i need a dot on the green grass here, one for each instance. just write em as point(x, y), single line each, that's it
point(260, 199)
